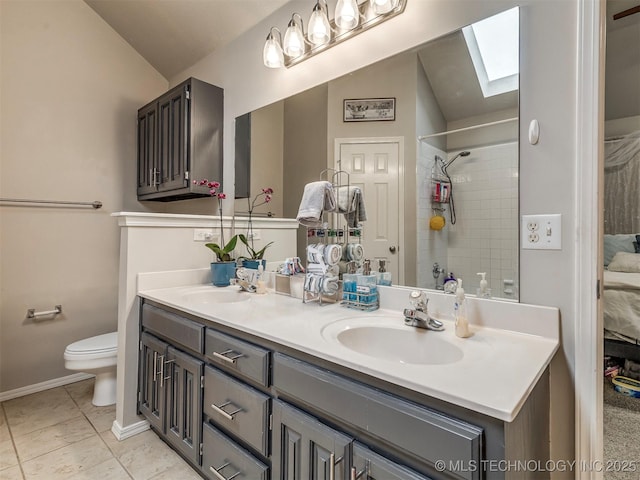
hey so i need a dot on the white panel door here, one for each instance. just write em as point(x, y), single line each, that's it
point(373, 166)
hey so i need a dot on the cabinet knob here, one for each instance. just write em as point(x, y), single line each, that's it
point(392, 249)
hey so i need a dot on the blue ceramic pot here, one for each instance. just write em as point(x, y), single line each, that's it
point(222, 273)
point(253, 264)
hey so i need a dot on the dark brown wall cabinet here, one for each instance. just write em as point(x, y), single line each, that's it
point(180, 140)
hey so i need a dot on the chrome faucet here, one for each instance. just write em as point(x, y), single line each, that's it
point(418, 316)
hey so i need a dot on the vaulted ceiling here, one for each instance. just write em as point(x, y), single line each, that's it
point(174, 34)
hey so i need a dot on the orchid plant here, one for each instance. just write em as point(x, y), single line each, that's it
point(222, 250)
point(261, 198)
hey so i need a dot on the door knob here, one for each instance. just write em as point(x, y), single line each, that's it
point(392, 249)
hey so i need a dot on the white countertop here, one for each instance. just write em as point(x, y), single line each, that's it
point(495, 375)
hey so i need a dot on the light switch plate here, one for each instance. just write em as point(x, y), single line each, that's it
point(542, 232)
point(204, 235)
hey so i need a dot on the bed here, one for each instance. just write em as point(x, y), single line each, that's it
point(621, 305)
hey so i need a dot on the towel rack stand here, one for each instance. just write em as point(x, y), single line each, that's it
point(95, 204)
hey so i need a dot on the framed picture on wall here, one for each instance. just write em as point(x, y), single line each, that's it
point(369, 109)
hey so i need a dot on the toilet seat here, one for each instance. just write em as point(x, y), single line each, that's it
point(100, 346)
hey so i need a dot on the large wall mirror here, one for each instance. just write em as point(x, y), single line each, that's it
point(449, 156)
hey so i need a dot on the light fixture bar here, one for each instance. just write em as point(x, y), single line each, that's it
point(368, 18)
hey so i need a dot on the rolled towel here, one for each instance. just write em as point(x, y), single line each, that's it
point(316, 198)
point(351, 203)
point(317, 268)
point(315, 253)
point(312, 282)
point(356, 252)
point(330, 285)
point(333, 271)
point(332, 253)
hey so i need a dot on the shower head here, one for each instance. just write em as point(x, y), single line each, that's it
point(466, 153)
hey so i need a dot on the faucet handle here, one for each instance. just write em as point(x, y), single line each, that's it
point(418, 298)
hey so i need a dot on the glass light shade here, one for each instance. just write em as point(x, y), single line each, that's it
point(383, 6)
point(347, 14)
point(293, 41)
point(272, 54)
point(319, 30)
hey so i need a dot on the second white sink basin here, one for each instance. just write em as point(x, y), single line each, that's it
point(212, 295)
point(376, 337)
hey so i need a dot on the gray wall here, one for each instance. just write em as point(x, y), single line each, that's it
point(70, 90)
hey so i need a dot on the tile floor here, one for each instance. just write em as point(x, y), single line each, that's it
point(59, 434)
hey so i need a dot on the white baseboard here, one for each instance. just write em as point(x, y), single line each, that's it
point(40, 387)
point(122, 433)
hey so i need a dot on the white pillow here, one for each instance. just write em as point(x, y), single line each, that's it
point(625, 262)
point(617, 243)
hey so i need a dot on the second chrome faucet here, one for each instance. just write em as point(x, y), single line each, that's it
point(418, 316)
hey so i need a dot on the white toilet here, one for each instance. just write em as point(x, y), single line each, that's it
point(98, 356)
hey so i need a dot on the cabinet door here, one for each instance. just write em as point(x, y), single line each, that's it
point(173, 109)
point(151, 396)
point(148, 149)
point(368, 465)
point(183, 377)
point(306, 449)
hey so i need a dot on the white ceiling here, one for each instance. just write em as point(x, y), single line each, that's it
point(174, 34)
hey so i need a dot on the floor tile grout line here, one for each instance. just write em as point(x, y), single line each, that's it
point(13, 443)
point(113, 455)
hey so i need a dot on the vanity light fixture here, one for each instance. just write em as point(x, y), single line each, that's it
point(350, 18)
point(272, 54)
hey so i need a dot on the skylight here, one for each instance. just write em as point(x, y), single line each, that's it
point(493, 44)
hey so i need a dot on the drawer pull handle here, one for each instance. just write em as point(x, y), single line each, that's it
point(216, 472)
point(163, 372)
point(355, 475)
point(332, 465)
point(229, 415)
point(228, 356)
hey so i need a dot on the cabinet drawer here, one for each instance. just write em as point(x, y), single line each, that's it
point(222, 459)
point(238, 356)
point(176, 329)
point(423, 432)
point(238, 408)
point(371, 466)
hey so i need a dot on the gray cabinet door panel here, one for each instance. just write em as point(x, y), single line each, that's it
point(235, 355)
point(426, 433)
point(222, 459)
point(306, 449)
point(238, 408)
point(179, 330)
point(368, 465)
point(152, 398)
point(184, 399)
point(172, 141)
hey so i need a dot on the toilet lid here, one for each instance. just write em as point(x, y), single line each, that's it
point(98, 344)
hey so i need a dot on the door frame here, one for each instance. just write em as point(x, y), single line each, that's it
point(401, 174)
point(588, 273)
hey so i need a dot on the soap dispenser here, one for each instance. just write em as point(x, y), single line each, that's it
point(460, 313)
point(383, 277)
point(484, 291)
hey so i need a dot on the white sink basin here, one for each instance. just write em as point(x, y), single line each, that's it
point(379, 338)
point(213, 295)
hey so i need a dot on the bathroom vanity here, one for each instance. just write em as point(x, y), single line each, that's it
point(265, 387)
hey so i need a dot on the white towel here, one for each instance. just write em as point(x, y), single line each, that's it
point(351, 203)
point(317, 197)
point(332, 253)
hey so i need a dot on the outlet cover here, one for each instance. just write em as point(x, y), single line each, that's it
point(204, 235)
point(542, 232)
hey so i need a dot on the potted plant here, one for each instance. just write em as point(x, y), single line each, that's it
point(255, 257)
point(224, 268)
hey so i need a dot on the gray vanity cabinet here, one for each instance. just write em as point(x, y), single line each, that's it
point(180, 140)
point(237, 408)
point(151, 396)
point(368, 465)
point(184, 403)
point(222, 459)
point(306, 449)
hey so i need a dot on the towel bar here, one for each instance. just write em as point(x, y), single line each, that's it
point(31, 313)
